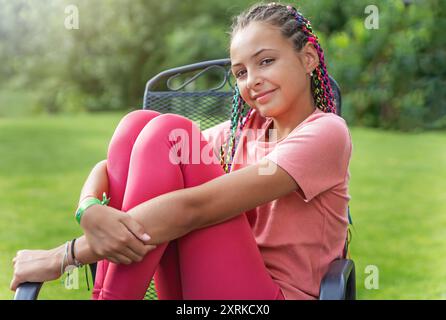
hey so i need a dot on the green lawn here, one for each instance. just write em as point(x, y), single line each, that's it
point(397, 187)
point(17, 103)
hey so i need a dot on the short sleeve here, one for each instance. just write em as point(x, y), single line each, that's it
point(316, 155)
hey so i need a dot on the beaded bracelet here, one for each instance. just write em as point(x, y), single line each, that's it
point(88, 202)
point(66, 268)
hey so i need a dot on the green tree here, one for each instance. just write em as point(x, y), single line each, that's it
point(391, 77)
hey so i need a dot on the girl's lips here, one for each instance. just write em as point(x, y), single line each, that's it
point(264, 98)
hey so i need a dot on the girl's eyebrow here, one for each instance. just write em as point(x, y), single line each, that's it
point(254, 55)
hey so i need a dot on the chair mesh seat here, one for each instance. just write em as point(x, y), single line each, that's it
point(151, 292)
point(207, 108)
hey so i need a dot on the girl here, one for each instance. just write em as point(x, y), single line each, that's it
point(264, 223)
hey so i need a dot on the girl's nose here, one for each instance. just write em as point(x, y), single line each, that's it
point(254, 80)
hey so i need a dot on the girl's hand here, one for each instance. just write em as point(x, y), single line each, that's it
point(36, 266)
point(115, 235)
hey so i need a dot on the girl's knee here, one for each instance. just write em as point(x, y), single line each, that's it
point(172, 119)
point(131, 125)
point(138, 116)
point(168, 127)
point(168, 122)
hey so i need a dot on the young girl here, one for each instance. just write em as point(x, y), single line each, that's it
point(262, 222)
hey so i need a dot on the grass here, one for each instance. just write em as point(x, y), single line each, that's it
point(43, 164)
point(17, 103)
point(397, 187)
point(399, 207)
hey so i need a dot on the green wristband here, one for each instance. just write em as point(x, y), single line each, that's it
point(87, 203)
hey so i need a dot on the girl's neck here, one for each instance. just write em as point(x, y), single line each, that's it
point(285, 123)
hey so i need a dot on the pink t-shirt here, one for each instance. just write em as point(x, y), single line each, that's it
point(298, 234)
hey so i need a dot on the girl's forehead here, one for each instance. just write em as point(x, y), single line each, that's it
point(254, 36)
point(256, 31)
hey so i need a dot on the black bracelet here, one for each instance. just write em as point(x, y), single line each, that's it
point(76, 263)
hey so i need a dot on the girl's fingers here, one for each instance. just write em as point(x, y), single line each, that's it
point(14, 284)
point(113, 260)
point(119, 259)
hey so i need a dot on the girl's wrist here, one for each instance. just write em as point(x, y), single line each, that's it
point(85, 222)
point(88, 202)
point(85, 198)
point(58, 255)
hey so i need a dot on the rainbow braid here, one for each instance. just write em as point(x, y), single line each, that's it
point(238, 121)
point(322, 91)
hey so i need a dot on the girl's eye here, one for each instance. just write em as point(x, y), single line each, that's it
point(266, 61)
point(240, 73)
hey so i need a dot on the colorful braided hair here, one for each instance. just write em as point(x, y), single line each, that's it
point(296, 27)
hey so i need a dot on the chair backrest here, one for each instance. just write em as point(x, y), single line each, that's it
point(208, 106)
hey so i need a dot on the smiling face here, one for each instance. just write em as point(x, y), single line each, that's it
point(271, 75)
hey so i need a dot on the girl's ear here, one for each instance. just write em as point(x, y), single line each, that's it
point(311, 58)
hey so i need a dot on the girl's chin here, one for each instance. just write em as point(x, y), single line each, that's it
point(266, 112)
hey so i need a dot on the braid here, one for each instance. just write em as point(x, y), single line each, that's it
point(322, 91)
point(227, 150)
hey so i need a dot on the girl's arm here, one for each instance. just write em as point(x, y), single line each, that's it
point(174, 214)
point(46, 265)
point(96, 183)
point(167, 217)
point(116, 237)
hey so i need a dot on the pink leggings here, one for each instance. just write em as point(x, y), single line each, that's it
point(218, 262)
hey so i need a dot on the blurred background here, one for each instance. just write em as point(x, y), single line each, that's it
point(63, 91)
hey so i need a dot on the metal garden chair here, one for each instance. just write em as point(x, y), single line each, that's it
point(185, 91)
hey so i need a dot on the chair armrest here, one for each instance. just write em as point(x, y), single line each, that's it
point(339, 282)
point(28, 291)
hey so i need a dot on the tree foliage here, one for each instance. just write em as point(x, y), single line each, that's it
point(391, 77)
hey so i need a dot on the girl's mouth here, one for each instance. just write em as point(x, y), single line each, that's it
point(264, 97)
